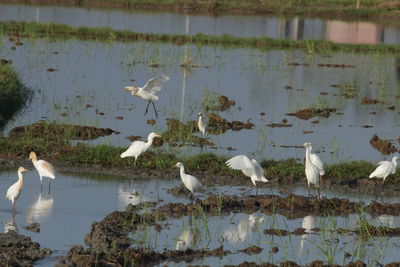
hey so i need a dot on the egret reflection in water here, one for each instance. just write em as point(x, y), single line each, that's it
point(40, 209)
point(10, 225)
point(241, 232)
point(189, 238)
point(307, 224)
point(131, 196)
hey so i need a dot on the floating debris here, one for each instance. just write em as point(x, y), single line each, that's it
point(151, 121)
point(51, 69)
point(336, 65)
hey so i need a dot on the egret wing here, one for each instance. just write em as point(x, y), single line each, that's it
point(135, 149)
point(257, 167)
point(154, 84)
point(196, 184)
point(318, 163)
point(47, 168)
point(240, 162)
point(384, 168)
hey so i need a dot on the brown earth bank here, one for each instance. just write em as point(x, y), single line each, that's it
point(376, 9)
point(19, 250)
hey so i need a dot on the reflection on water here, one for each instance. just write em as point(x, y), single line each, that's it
point(240, 233)
point(10, 225)
point(294, 28)
point(40, 209)
point(188, 239)
point(307, 224)
point(128, 195)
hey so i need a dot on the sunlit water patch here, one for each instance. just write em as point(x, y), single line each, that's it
point(87, 87)
point(293, 28)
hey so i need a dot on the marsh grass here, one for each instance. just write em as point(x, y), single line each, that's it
point(62, 31)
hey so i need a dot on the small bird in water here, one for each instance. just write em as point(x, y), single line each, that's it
point(384, 169)
point(311, 170)
point(44, 169)
point(149, 90)
point(190, 182)
point(201, 125)
point(139, 147)
point(250, 168)
point(14, 191)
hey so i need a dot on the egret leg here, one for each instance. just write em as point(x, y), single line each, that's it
point(309, 193)
point(134, 164)
point(383, 182)
point(319, 195)
point(147, 108)
point(256, 190)
point(14, 211)
point(41, 187)
point(155, 111)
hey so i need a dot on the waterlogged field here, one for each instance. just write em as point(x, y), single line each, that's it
point(337, 100)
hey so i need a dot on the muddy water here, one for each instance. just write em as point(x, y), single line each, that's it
point(294, 28)
point(87, 87)
point(237, 232)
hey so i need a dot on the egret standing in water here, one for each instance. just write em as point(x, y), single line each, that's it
point(201, 125)
point(139, 147)
point(384, 169)
point(44, 169)
point(250, 168)
point(14, 191)
point(149, 90)
point(312, 171)
point(316, 161)
point(190, 182)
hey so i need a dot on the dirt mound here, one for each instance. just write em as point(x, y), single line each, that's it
point(19, 250)
point(308, 113)
point(385, 147)
point(60, 131)
point(222, 103)
point(218, 125)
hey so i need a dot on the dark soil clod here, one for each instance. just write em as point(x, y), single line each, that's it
point(385, 147)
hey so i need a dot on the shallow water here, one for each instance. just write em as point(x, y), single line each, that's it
point(94, 73)
point(294, 28)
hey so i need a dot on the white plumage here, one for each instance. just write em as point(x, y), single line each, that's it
point(190, 182)
point(149, 90)
point(139, 147)
point(250, 168)
point(243, 231)
point(201, 125)
point(14, 191)
point(312, 171)
point(44, 168)
point(385, 168)
point(317, 161)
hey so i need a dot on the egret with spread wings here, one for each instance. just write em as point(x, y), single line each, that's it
point(149, 90)
point(250, 168)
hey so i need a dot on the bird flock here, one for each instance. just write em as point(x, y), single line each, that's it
point(314, 168)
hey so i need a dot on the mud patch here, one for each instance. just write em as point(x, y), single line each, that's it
point(368, 101)
point(283, 124)
point(218, 125)
point(222, 103)
point(385, 147)
point(306, 114)
point(60, 131)
point(19, 250)
point(252, 250)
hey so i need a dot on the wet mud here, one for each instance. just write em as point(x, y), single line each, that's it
point(60, 131)
point(306, 114)
point(222, 103)
point(218, 125)
point(368, 101)
point(19, 250)
point(385, 147)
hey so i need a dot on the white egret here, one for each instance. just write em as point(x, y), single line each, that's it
point(148, 91)
point(312, 171)
point(190, 182)
point(316, 161)
point(139, 147)
point(201, 125)
point(44, 169)
point(14, 191)
point(250, 168)
point(384, 169)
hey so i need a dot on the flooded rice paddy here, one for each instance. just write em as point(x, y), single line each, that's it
point(354, 95)
point(276, 27)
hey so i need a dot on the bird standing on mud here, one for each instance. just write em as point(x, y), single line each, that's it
point(148, 91)
point(316, 161)
point(384, 169)
point(201, 125)
point(190, 182)
point(311, 170)
point(139, 147)
point(44, 169)
point(250, 168)
point(14, 191)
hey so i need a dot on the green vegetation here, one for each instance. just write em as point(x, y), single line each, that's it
point(13, 94)
point(333, 8)
point(52, 30)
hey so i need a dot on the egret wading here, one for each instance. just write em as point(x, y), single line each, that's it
point(139, 147)
point(44, 169)
point(250, 168)
point(14, 191)
point(384, 169)
point(201, 125)
point(190, 182)
point(311, 170)
point(149, 90)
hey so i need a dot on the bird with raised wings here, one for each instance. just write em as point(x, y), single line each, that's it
point(139, 147)
point(149, 90)
point(44, 169)
point(15, 190)
point(250, 168)
point(384, 169)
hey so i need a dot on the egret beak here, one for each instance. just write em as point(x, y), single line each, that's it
point(157, 135)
